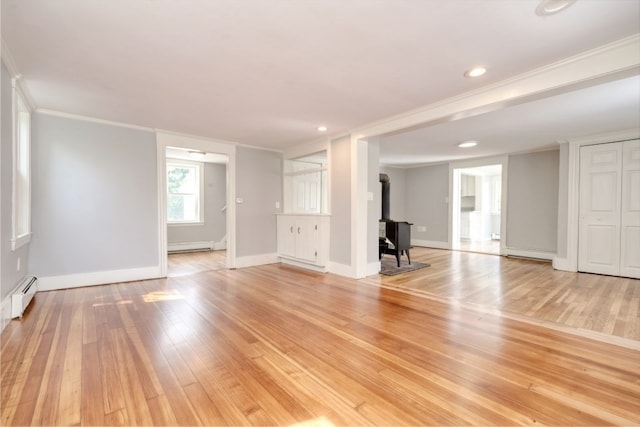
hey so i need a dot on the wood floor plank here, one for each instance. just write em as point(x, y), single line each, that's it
point(277, 345)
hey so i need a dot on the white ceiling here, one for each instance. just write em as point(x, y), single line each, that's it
point(268, 72)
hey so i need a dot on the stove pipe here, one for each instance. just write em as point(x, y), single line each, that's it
point(386, 196)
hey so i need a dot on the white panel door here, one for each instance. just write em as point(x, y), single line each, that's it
point(599, 222)
point(630, 215)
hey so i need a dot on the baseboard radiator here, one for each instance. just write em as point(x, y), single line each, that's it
point(23, 296)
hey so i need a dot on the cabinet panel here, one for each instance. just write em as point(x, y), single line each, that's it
point(304, 238)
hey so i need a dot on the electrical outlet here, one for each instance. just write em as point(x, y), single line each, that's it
point(421, 228)
point(18, 265)
point(277, 205)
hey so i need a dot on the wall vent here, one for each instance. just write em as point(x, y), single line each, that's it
point(23, 296)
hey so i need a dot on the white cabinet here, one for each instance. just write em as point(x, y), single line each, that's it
point(467, 185)
point(304, 238)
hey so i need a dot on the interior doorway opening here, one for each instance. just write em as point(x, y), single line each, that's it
point(196, 211)
point(477, 209)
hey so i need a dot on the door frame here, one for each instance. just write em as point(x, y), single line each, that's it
point(570, 261)
point(454, 201)
point(167, 139)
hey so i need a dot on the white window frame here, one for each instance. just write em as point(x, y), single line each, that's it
point(200, 168)
point(21, 169)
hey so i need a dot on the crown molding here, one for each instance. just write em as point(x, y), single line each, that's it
point(91, 119)
point(610, 62)
point(9, 62)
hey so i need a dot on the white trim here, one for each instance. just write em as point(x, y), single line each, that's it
point(171, 139)
point(359, 208)
point(312, 267)
point(7, 58)
point(51, 283)
point(17, 242)
point(20, 212)
point(190, 246)
point(570, 262)
point(563, 264)
point(5, 311)
point(606, 63)
point(470, 163)
point(255, 260)
point(430, 244)
point(525, 253)
point(82, 118)
point(341, 269)
point(373, 268)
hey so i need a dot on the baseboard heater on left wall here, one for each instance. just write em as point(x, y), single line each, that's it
point(23, 296)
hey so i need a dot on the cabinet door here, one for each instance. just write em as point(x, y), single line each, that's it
point(286, 236)
point(306, 239)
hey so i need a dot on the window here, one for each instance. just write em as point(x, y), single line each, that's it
point(184, 192)
point(21, 190)
point(305, 181)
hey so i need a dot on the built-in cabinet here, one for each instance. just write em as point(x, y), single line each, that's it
point(467, 185)
point(303, 239)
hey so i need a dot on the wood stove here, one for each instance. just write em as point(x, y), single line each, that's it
point(397, 234)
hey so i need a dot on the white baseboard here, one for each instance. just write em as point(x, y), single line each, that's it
point(564, 264)
point(5, 311)
point(308, 266)
point(529, 254)
point(189, 246)
point(341, 270)
point(253, 260)
point(373, 268)
point(430, 244)
point(97, 278)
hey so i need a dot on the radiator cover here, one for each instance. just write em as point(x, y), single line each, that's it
point(23, 296)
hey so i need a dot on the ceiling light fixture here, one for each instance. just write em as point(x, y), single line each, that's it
point(550, 7)
point(475, 72)
point(322, 128)
point(468, 144)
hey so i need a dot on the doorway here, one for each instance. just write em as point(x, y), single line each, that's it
point(196, 209)
point(477, 209)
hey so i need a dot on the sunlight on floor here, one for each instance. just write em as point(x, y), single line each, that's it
point(316, 422)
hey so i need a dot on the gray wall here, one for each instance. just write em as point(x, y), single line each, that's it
point(563, 200)
point(374, 206)
point(429, 188)
point(94, 197)
point(340, 201)
point(398, 181)
point(10, 274)
point(259, 184)
point(214, 225)
point(532, 202)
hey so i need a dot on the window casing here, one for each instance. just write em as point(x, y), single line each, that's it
point(185, 192)
point(21, 189)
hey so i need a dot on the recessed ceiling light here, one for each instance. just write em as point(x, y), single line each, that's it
point(549, 7)
point(468, 144)
point(475, 72)
point(322, 128)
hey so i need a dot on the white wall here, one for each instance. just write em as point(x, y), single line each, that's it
point(10, 273)
point(214, 226)
point(94, 197)
point(259, 185)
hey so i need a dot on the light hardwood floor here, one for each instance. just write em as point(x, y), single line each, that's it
point(275, 345)
point(180, 264)
point(525, 289)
